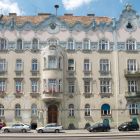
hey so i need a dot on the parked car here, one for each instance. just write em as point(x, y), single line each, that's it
point(19, 127)
point(128, 126)
point(98, 127)
point(51, 127)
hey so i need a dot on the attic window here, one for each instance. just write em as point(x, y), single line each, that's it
point(129, 26)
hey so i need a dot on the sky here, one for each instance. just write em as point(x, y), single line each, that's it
point(110, 8)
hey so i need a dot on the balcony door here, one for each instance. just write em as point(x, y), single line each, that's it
point(52, 114)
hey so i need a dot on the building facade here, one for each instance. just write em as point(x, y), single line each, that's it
point(72, 70)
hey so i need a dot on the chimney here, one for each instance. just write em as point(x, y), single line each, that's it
point(44, 14)
point(91, 15)
point(68, 14)
point(12, 14)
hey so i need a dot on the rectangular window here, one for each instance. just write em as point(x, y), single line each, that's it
point(18, 85)
point(71, 87)
point(34, 65)
point(104, 66)
point(132, 86)
point(19, 65)
point(131, 65)
point(87, 88)
point(87, 65)
point(71, 65)
point(34, 85)
point(52, 85)
point(52, 62)
point(2, 65)
point(2, 85)
point(105, 86)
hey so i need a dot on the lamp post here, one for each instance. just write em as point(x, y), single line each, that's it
point(56, 7)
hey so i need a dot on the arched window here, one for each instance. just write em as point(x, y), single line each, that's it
point(19, 44)
point(87, 110)
point(71, 44)
point(17, 110)
point(1, 110)
point(105, 110)
point(35, 44)
point(86, 44)
point(71, 110)
point(52, 42)
point(133, 109)
point(34, 110)
point(103, 45)
point(130, 45)
point(2, 44)
point(34, 65)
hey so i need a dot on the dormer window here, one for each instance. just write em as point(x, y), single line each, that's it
point(19, 44)
point(35, 44)
point(71, 44)
point(86, 44)
point(129, 26)
point(103, 45)
point(130, 45)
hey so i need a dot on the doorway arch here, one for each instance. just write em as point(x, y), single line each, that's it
point(52, 114)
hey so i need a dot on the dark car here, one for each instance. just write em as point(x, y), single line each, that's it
point(128, 126)
point(99, 127)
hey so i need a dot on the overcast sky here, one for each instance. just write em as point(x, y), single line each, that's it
point(110, 8)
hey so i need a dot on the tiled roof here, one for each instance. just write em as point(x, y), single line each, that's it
point(67, 18)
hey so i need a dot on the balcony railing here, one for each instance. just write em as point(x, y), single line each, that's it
point(134, 73)
point(34, 94)
point(87, 94)
point(135, 94)
point(18, 94)
point(106, 94)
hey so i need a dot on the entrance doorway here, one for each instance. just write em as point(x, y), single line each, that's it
point(52, 114)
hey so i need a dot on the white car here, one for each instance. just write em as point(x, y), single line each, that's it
point(51, 127)
point(19, 127)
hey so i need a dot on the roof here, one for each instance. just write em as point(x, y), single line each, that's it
point(70, 19)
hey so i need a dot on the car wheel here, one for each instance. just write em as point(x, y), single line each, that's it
point(127, 129)
point(40, 131)
point(23, 130)
point(56, 131)
point(6, 130)
point(94, 130)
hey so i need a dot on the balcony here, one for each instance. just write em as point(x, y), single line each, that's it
point(19, 72)
point(18, 94)
point(87, 94)
point(132, 95)
point(71, 74)
point(34, 94)
point(106, 94)
point(2, 94)
point(52, 95)
point(132, 74)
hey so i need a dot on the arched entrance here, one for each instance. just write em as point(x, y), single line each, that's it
point(52, 114)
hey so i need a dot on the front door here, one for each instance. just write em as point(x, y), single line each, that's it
point(52, 114)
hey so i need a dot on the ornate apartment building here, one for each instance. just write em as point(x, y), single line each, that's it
point(72, 70)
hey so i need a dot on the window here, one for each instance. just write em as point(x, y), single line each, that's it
point(52, 85)
point(105, 86)
point(34, 65)
point(19, 65)
point(105, 110)
point(18, 86)
point(131, 65)
point(87, 88)
point(104, 66)
point(103, 45)
point(71, 86)
point(70, 44)
point(132, 86)
point(52, 42)
point(1, 110)
point(87, 110)
point(133, 109)
point(17, 110)
point(130, 45)
point(19, 44)
point(3, 65)
point(71, 65)
point(87, 65)
point(2, 44)
point(2, 85)
point(34, 110)
point(52, 62)
point(71, 110)
point(35, 44)
point(35, 86)
point(86, 44)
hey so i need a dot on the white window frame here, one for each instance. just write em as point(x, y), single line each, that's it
point(18, 86)
point(104, 65)
point(131, 65)
point(71, 110)
point(34, 110)
point(3, 65)
point(19, 65)
point(104, 45)
point(130, 45)
point(1, 110)
point(35, 43)
point(87, 65)
point(17, 110)
point(86, 44)
point(87, 110)
point(133, 109)
point(34, 86)
point(132, 86)
point(106, 112)
point(71, 44)
point(52, 62)
point(71, 86)
point(52, 42)
point(71, 66)
point(35, 65)
point(105, 86)
point(3, 44)
point(2, 85)
point(87, 86)
point(19, 44)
